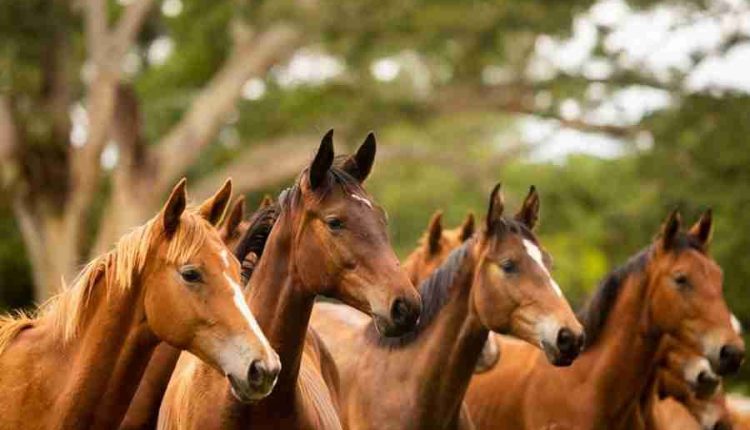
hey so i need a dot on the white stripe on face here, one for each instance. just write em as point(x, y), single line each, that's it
point(736, 324)
point(241, 304)
point(225, 258)
point(536, 254)
point(362, 199)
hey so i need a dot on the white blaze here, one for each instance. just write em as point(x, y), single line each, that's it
point(362, 199)
point(241, 304)
point(536, 255)
point(225, 258)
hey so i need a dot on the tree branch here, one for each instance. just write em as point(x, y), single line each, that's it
point(95, 19)
point(128, 27)
point(182, 145)
point(8, 145)
point(260, 166)
point(515, 98)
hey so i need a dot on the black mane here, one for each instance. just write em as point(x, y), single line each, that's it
point(254, 239)
point(434, 291)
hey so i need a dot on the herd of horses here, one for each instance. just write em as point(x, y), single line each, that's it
point(201, 319)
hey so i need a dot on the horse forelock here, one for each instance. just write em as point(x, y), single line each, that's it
point(117, 270)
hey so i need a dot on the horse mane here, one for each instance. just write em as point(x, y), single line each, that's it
point(435, 292)
point(593, 315)
point(118, 269)
point(254, 240)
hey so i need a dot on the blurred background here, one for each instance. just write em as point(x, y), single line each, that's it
point(616, 110)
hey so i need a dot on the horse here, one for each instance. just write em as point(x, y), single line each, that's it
point(673, 287)
point(330, 238)
point(170, 280)
point(683, 390)
point(435, 246)
point(498, 280)
point(143, 410)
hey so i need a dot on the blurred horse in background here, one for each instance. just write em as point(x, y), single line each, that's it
point(330, 238)
point(673, 287)
point(497, 280)
point(171, 279)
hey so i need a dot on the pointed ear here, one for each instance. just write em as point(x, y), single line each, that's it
point(323, 161)
point(266, 202)
point(174, 208)
point(529, 213)
point(495, 211)
point(467, 228)
point(669, 230)
point(703, 230)
point(212, 210)
point(360, 164)
point(233, 218)
point(435, 233)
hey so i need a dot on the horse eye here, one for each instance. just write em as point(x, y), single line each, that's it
point(190, 274)
point(334, 224)
point(508, 266)
point(681, 280)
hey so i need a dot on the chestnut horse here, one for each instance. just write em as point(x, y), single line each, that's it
point(144, 407)
point(77, 363)
point(683, 390)
point(435, 246)
point(330, 239)
point(496, 281)
point(673, 287)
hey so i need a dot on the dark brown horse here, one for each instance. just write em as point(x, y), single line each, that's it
point(330, 239)
point(498, 280)
point(671, 288)
point(77, 364)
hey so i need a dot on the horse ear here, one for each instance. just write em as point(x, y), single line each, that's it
point(669, 229)
point(233, 219)
point(360, 164)
point(266, 202)
point(703, 230)
point(174, 208)
point(529, 213)
point(323, 161)
point(435, 233)
point(495, 211)
point(212, 210)
point(467, 228)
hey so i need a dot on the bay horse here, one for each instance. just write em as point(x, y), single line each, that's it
point(77, 362)
point(673, 287)
point(330, 238)
point(143, 410)
point(497, 280)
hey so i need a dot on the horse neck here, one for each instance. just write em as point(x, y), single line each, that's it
point(625, 356)
point(107, 359)
point(448, 349)
point(280, 303)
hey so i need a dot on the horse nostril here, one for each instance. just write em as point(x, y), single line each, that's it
point(706, 384)
point(722, 425)
point(566, 341)
point(730, 359)
point(403, 315)
point(257, 374)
